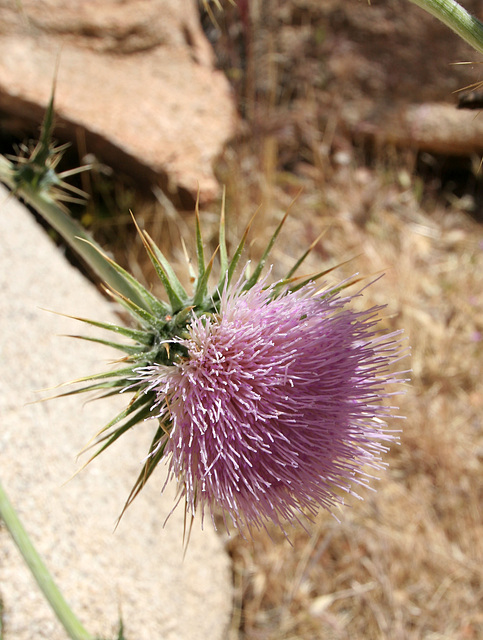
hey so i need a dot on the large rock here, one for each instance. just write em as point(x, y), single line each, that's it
point(135, 77)
point(137, 569)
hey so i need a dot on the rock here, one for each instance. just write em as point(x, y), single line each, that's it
point(433, 127)
point(136, 570)
point(135, 80)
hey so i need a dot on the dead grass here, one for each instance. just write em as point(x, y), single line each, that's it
point(407, 561)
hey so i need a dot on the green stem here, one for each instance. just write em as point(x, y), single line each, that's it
point(40, 572)
point(456, 18)
point(71, 231)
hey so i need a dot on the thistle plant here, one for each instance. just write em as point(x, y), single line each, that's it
point(32, 175)
point(269, 399)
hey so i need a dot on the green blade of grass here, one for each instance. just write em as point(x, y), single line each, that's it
point(454, 16)
point(66, 617)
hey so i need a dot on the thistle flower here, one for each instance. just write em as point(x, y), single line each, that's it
point(268, 398)
point(276, 404)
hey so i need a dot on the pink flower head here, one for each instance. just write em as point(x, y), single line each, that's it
point(277, 406)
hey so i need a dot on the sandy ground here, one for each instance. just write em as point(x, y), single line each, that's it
point(138, 569)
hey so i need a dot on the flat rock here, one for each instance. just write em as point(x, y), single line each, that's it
point(136, 84)
point(136, 570)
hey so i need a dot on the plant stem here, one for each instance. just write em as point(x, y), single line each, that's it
point(454, 16)
point(71, 231)
point(71, 624)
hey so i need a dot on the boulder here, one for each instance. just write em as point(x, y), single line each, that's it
point(135, 84)
point(136, 570)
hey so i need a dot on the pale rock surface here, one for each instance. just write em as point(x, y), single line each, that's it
point(433, 127)
point(136, 84)
point(138, 569)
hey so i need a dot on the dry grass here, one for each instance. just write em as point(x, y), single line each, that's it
point(407, 561)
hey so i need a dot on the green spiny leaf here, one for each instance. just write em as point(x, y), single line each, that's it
point(149, 466)
point(175, 290)
point(117, 373)
point(151, 302)
point(316, 276)
point(176, 293)
point(140, 400)
point(202, 284)
point(258, 269)
point(199, 243)
point(109, 439)
point(183, 315)
point(138, 335)
point(109, 380)
point(304, 256)
point(42, 150)
point(131, 350)
point(108, 384)
point(146, 318)
point(222, 243)
point(238, 252)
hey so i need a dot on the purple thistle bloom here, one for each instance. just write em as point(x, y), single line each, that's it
point(277, 407)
